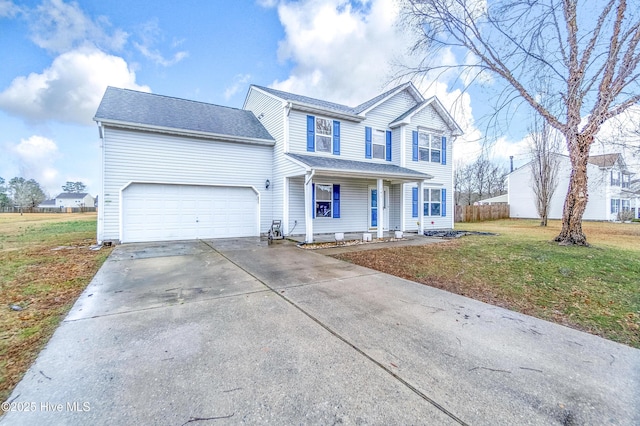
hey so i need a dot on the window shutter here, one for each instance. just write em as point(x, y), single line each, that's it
point(414, 144)
point(313, 200)
point(444, 151)
point(336, 137)
point(414, 202)
point(311, 133)
point(388, 145)
point(336, 201)
point(367, 142)
point(443, 206)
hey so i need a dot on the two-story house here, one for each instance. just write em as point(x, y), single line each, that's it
point(608, 187)
point(179, 169)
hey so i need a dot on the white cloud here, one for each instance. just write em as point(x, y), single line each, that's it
point(36, 158)
point(59, 27)
point(8, 9)
point(150, 34)
point(70, 89)
point(239, 82)
point(342, 50)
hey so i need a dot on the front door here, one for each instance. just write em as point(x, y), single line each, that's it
point(375, 205)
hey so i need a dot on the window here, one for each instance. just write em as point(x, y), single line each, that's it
point(429, 146)
point(379, 144)
point(626, 205)
point(626, 181)
point(324, 200)
point(432, 202)
point(324, 131)
point(615, 205)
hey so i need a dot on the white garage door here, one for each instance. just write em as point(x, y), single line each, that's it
point(154, 212)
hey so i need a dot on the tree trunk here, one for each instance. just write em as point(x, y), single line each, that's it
point(577, 195)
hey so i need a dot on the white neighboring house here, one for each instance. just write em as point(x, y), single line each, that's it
point(179, 169)
point(608, 186)
point(74, 199)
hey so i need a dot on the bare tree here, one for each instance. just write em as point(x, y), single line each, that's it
point(26, 194)
point(591, 60)
point(478, 180)
point(545, 148)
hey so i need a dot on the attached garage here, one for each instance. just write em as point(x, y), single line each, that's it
point(161, 212)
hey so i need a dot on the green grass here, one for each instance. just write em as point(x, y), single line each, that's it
point(596, 289)
point(42, 280)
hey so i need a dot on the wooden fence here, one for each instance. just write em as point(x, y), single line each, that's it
point(48, 210)
point(482, 213)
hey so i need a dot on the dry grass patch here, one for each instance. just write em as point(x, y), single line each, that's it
point(595, 289)
point(45, 263)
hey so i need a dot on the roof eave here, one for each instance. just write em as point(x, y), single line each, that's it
point(184, 132)
point(299, 106)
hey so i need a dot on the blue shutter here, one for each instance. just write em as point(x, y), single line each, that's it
point(444, 151)
point(336, 201)
point(443, 207)
point(414, 202)
point(313, 200)
point(311, 133)
point(336, 137)
point(367, 142)
point(414, 144)
point(388, 145)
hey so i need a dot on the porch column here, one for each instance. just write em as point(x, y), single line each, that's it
point(308, 208)
point(380, 209)
point(421, 207)
point(403, 208)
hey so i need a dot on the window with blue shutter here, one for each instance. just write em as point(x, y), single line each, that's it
point(367, 142)
point(444, 202)
point(336, 137)
point(444, 151)
point(414, 146)
point(388, 145)
point(311, 133)
point(336, 201)
point(414, 202)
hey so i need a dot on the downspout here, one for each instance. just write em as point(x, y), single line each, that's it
point(308, 216)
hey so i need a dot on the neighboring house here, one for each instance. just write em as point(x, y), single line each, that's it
point(179, 169)
point(48, 204)
point(608, 189)
point(498, 199)
point(74, 199)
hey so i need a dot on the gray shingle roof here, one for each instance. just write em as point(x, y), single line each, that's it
point(604, 160)
point(330, 163)
point(48, 203)
point(147, 109)
point(67, 195)
point(291, 97)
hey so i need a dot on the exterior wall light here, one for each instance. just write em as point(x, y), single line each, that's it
point(267, 184)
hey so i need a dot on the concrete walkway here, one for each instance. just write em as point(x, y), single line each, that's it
point(235, 331)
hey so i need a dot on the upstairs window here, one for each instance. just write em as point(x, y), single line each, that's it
point(615, 178)
point(626, 181)
point(379, 144)
point(429, 147)
point(324, 132)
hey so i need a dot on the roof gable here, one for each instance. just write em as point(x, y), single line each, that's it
point(433, 101)
point(606, 160)
point(148, 110)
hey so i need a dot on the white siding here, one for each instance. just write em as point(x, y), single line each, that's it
point(521, 197)
point(131, 156)
point(274, 117)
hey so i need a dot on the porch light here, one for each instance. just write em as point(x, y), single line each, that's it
point(267, 184)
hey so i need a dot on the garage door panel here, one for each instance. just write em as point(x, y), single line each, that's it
point(155, 212)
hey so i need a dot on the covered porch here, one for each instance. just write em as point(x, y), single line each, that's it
point(334, 195)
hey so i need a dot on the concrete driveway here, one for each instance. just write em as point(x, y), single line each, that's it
point(234, 331)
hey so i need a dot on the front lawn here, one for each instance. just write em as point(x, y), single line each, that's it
point(595, 289)
point(45, 263)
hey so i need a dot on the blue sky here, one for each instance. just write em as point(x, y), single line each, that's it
point(59, 56)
